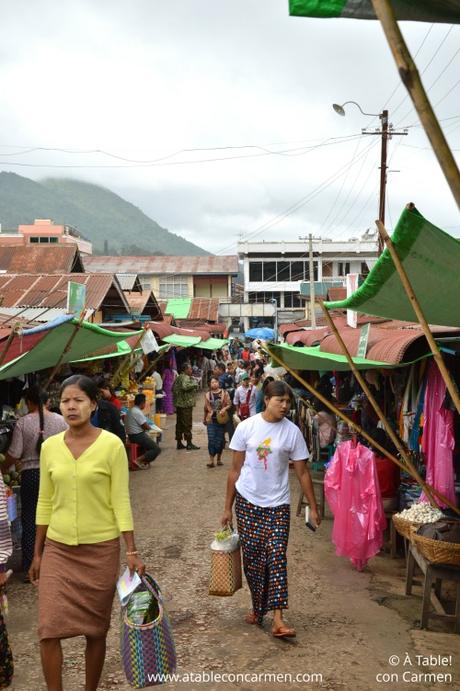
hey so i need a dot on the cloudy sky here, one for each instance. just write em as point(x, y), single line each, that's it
point(215, 118)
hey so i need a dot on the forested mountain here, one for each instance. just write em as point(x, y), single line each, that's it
point(112, 224)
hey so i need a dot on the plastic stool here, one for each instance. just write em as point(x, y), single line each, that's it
point(133, 454)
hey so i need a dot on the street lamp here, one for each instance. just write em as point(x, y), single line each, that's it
point(385, 133)
point(340, 110)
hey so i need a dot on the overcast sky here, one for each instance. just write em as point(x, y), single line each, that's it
point(149, 78)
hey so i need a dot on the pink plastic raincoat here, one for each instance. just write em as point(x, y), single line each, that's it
point(438, 441)
point(353, 494)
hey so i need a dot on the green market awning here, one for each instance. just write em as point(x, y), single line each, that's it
point(212, 344)
point(89, 338)
point(311, 358)
point(431, 259)
point(182, 341)
point(411, 10)
point(179, 307)
point(122, 348)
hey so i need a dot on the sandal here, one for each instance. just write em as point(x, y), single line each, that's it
point(283, 632)
point(219, 463)
point(251, 618)
point(210, 465)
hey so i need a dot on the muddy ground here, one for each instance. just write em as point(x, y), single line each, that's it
point(350, 625)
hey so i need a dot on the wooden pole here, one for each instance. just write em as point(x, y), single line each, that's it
point(372, 400)
point(451, 387)
point(358, 429)
point(411, 80)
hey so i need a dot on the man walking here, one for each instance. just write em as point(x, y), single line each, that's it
point(184, 398)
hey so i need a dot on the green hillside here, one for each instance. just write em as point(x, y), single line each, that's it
point(112, 224)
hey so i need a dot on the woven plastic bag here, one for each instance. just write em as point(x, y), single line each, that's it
point(226, 577)
point(147, 650)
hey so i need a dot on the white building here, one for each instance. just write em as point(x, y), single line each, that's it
point(274, 271)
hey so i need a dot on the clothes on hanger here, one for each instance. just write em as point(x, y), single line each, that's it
point(352, 491)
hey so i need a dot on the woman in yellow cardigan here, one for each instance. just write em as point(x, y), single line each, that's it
point(83, 506)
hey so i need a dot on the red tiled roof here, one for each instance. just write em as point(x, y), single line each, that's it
point(50, 259)
point(38, 290)
point(211, 264)
point(143, 303)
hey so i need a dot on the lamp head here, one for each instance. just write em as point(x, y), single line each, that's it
point(339, 109)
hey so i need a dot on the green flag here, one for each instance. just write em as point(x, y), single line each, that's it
point(413, 10)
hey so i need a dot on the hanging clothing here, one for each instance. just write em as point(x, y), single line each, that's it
point(168, 381)
point(352, 491)
point(264, 534)
point(438, 441)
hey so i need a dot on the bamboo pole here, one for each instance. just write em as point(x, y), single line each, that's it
point(358, 428)
point(450, 384)
point(411, 79)
point(372, 400)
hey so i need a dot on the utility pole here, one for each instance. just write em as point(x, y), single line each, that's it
point(386, 132)
point(312, 281)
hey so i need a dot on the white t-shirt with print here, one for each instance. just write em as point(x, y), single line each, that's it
point(269, 446)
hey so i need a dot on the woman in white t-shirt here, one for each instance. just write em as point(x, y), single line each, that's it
point(262, 447)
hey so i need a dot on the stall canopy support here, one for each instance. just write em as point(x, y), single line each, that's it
point(450, 384)
point(372, 400)
point(411, 79)
point(359, 429)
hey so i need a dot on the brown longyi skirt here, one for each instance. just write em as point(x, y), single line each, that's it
point(76, 589)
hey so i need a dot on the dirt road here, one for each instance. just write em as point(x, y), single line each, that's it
point(350, 625)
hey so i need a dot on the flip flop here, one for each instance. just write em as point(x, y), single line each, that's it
point(210, 465)
point(283, 632)
point(219, 463)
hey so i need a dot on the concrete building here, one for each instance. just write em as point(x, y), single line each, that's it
point(274, 271)
point(43, 231)
point(174, 277)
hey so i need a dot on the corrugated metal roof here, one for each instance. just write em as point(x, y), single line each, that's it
point(38, 290)
point(307, 337)
point(204, 309)
point(212, 264)
point(129, 282)
point(38, 314)
point(162, 330)
point(50, 259)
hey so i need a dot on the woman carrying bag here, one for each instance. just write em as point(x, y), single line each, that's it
point(216, 414)
point(262, 447)
point(83, 506)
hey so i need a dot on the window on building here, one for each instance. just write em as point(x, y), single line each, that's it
point(297, 271)
point(343, 268)
point(364, 269)
point(42, 240)
point(264, 297)
point(173, 287)
point(33, 240)
point(292, 300)
point(307, 271)
point(255, 271)
point(283, 271)
point(270, 271)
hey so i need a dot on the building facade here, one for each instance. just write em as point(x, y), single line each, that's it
point(274, 271)
point(43, 231)
point(175, 277)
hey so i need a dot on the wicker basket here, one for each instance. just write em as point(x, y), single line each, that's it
point(437, 551)
point(405, 528)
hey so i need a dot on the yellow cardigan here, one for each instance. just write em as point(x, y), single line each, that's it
point(86, 500)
